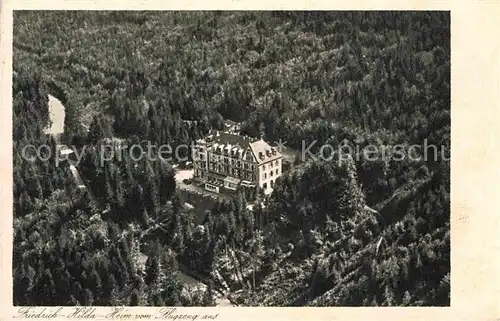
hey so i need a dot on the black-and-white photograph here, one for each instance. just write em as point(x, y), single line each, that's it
point(231, 158)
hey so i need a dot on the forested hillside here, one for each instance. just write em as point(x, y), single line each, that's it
point(71, 249)
point(338, 232)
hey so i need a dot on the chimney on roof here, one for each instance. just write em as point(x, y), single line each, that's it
point(261, 155)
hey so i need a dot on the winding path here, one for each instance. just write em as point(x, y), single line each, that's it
point(57, 113)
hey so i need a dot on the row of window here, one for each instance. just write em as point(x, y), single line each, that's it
point(219, 151)
point(233, 162)
point(226, 167)
point(271, 173)
point(271, 164)
point(226, 170)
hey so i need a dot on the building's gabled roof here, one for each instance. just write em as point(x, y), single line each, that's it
point(223, 138)
point(263, 152)
point(237, 145)
point(260, 151)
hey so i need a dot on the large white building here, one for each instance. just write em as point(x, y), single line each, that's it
point(227, 160)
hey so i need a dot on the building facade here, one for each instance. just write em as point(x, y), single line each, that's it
point(224, 160)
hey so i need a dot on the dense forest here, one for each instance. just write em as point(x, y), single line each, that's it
point(344, 232)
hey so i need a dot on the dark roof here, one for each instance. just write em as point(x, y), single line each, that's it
point(260, 150)
point(233, 139)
